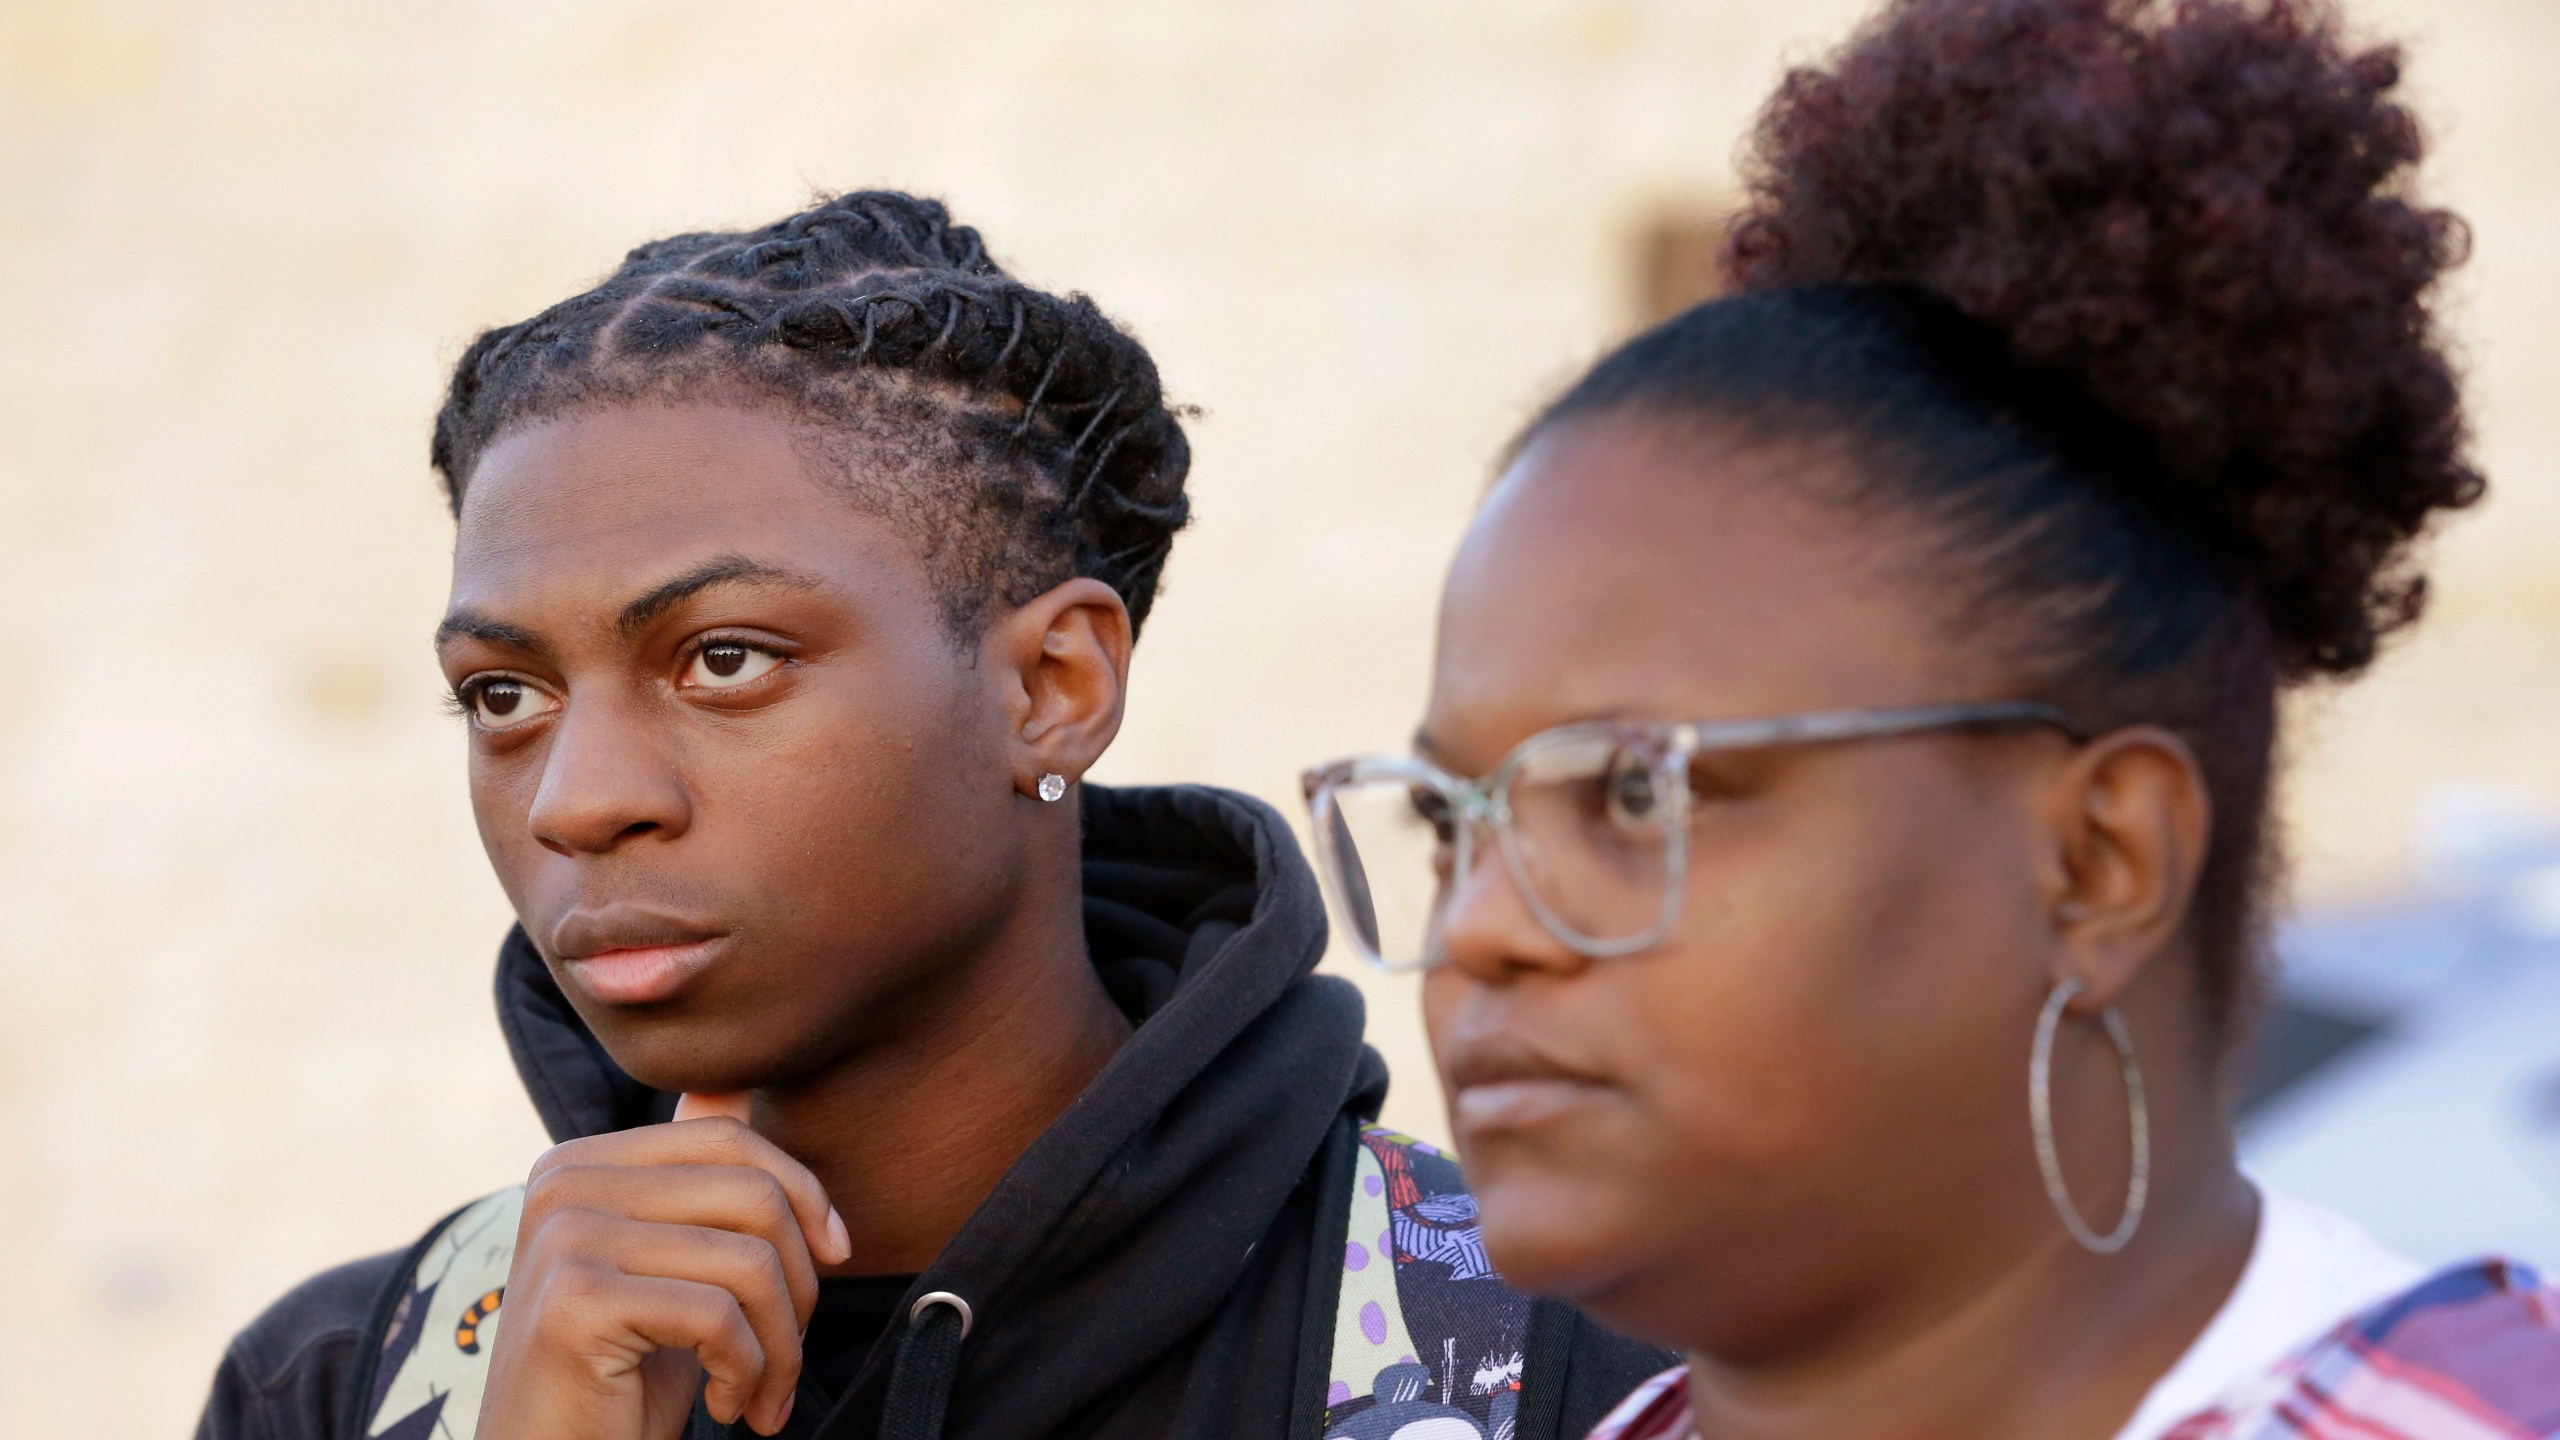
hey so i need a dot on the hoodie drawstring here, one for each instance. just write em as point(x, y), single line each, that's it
point(927, 1364)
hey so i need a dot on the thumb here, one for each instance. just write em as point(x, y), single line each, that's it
point(697, 1106)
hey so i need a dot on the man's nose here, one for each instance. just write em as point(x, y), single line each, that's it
point(605, 780)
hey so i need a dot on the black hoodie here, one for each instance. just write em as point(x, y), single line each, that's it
point(1163, 1261)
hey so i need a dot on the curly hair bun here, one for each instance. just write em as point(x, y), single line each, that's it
point(2193, 211)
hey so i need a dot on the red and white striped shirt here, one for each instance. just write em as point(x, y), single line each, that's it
point(1658, 1410)
point(2471, 1354)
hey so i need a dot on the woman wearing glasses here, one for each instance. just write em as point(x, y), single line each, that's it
point(1865, 688)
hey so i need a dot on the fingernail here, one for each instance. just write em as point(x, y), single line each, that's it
point(783, 1417)
point(736, 1104)
point(838, 1236)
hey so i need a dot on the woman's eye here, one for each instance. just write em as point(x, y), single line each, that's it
point(724, 664)
point(503, 704)
point(1634, 794)
point(1431, 809)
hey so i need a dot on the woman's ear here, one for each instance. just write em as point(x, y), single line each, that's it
point(1064, 663)
point(2130, 819)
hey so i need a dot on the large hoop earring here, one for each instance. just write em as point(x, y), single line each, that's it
point(2040, 1115)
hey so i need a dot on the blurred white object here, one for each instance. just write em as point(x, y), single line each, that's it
point(2474, 838)
point(2410, 1074)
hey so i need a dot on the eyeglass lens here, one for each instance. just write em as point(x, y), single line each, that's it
point(1590, 837)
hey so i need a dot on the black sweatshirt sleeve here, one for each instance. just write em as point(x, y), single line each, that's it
point(287, 1376)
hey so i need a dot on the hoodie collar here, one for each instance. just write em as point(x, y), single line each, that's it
point(1172, 1195)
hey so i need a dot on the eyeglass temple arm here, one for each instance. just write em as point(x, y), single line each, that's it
point(1832, 725)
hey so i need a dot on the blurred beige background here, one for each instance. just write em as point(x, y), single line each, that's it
point(245, 929)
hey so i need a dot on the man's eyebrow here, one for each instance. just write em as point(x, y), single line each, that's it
point(718, 570)
point(469, 624)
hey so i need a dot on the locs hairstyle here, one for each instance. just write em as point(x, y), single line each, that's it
point(1020, 436)
point(2118, 308)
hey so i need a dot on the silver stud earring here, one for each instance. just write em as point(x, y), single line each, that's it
point(1052, 786)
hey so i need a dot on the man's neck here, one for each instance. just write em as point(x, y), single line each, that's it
point(909, 1137)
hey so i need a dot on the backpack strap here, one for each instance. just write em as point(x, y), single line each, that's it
point(431, 1339)
point(1423, 1329)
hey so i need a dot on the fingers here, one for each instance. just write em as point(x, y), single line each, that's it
point(665, 1313)
point(714, 1140)
point(746, 1272)
point(699, 1236)
point(742, 1205)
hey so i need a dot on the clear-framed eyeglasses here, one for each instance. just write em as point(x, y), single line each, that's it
point(1591, 820)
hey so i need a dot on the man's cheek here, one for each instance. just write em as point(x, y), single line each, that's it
point(514, 856)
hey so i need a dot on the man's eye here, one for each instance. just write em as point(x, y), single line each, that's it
point(502, 704)
point(724, 664)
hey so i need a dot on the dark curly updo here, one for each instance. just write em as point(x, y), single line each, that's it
point(2123, 305)
point(1022, 437)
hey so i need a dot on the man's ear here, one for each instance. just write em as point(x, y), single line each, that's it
point(1064, 662)
point(2130, 818)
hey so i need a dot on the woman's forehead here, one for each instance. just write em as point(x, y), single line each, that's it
point(1620, 568)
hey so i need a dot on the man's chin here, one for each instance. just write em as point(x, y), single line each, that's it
point(776, 1020)
point(683, 1054)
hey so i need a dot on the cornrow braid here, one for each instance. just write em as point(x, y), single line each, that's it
point(1037, 424)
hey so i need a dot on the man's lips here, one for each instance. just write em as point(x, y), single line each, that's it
point(642, 975)
point(622, 955)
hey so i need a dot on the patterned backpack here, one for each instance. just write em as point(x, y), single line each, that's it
point(1424, 1330)
point(1428, 1343)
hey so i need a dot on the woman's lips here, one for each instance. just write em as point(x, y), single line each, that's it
point(642, 974)
point(1498, 1081)
point(1517, 1103)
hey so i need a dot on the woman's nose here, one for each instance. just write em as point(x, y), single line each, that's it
point(1488, 930)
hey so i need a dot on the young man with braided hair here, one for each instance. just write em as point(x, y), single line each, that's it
point(905, 1086)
